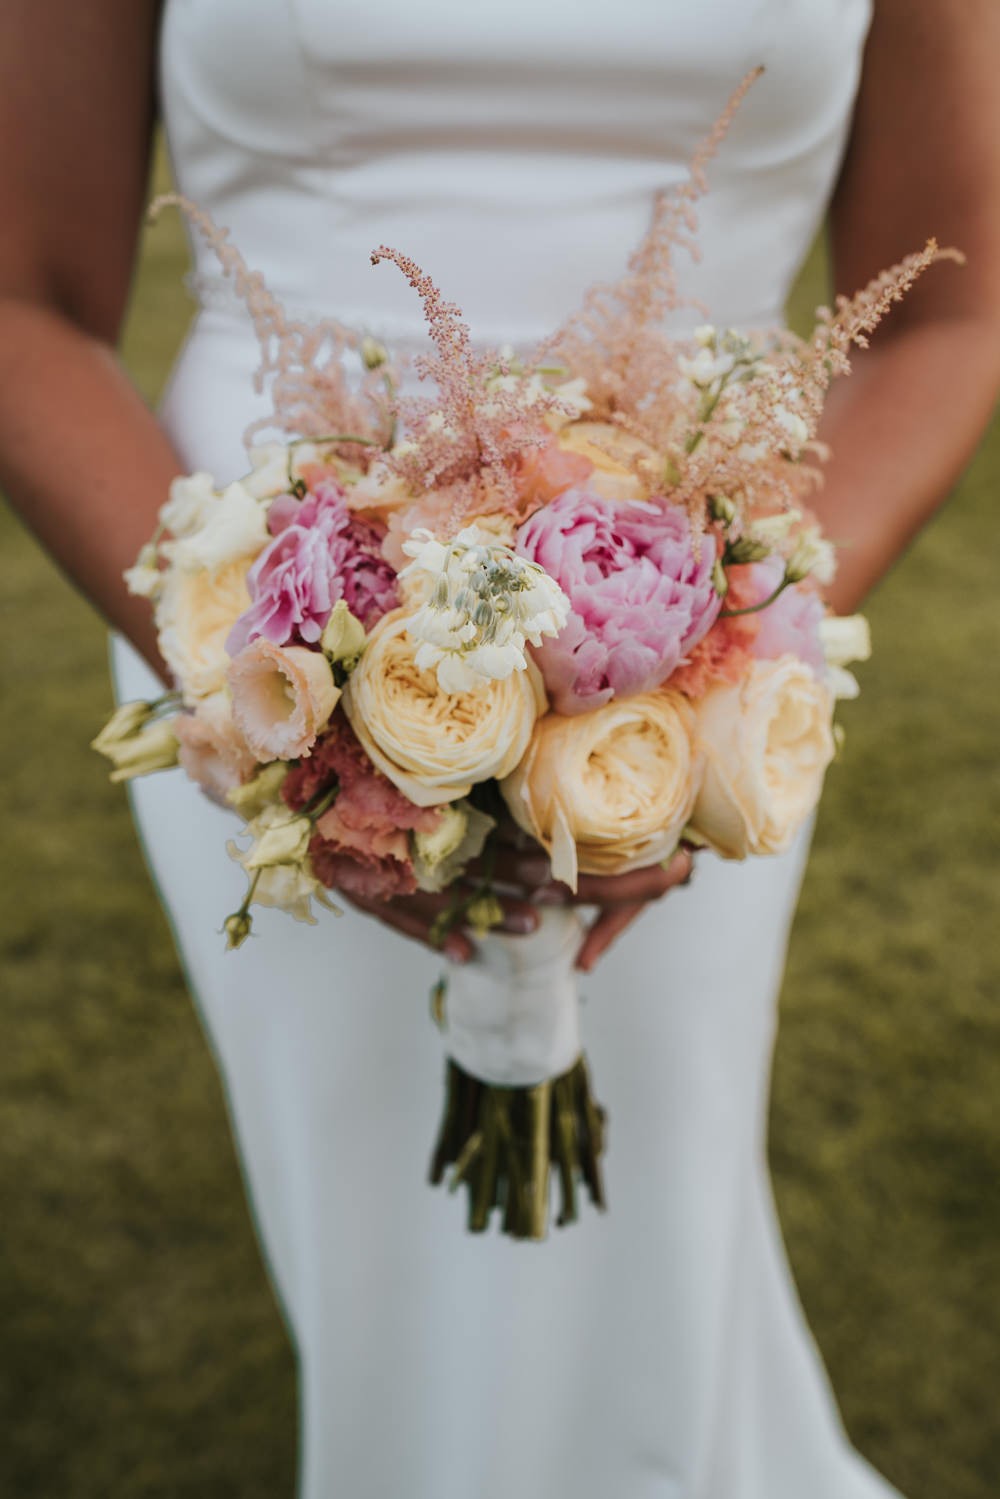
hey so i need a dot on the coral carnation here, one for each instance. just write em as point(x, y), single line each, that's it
point(361, 844)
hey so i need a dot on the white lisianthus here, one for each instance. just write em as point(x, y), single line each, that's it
point(773, 530)
point(279, 837)
point(140, 752)
point(485, 605)
point(439, 857)
point(706, 367)
point(292, 888)
point(250, 799)
point(812, 556)
point(795, 426)
point(844, 638)
point(343, 639)
point(233, 525)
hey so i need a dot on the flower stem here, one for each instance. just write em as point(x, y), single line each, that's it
point(756, 608)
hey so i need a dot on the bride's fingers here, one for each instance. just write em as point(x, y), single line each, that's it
point(412, 922)
point(531, 872)
point(638, 885)
point(605, 929)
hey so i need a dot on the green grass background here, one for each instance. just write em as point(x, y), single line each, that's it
point(142, 1354)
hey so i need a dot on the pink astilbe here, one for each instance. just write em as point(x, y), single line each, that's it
point(613, 340)
point(854, 318)
point(469, 436)
point(305, 361)
point(360, 845)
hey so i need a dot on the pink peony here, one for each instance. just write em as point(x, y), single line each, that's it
point(641, 595)
point(360, 845)
point(789, 626)
point(320, 554)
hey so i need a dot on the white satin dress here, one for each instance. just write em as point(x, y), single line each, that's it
point(657, 1351)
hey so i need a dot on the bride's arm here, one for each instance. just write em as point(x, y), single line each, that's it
point(80, 454)
point(924, 159)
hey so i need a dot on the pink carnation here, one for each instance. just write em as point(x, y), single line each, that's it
point(360, 845)
point(320, 554)
point(789, 626)
point(640, 589)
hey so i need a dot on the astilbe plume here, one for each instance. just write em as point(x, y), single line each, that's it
point(311, 392)
point(614, 340)
point(467, 439)
point(852, 319)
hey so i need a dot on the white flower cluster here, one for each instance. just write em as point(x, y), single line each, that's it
point(483, 606)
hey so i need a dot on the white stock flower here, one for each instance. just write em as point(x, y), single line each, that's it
point(232, 525)
point(185, 510)
point(145, 579)
point(485, 605)
point(268, 476)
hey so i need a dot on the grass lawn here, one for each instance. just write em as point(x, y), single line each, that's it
point(142, 1352)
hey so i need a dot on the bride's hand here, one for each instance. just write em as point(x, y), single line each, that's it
point(619, 898)
point(414, 916)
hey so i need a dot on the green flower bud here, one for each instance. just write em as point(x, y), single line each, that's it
point(237, 928)
point(483, 913)
point(344, 636)
point(719, 580)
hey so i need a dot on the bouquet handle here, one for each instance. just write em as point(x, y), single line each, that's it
point(518, 1099)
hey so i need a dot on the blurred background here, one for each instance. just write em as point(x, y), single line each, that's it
point(142, 1353)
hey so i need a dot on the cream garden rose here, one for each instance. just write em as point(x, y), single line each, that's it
point(608, 791)
point(436, 745)
point(194, 614)
point(767, 741)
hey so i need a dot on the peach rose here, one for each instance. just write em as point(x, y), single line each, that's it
point(609, 449)
point(434, 745)
point(608, 791)
point(283, 697)
point(194, 615)
point(767, 741)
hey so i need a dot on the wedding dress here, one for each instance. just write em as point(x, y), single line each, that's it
point(656, 1351)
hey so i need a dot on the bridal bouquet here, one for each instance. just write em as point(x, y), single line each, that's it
point(575, 598)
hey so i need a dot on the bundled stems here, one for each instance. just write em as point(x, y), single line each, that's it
point(504, 1143)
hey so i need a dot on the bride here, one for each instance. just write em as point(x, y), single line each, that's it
point(514, 151)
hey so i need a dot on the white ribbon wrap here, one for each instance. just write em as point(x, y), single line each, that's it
point(512, 1013)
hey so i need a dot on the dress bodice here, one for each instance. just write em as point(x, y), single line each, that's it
point(512, 150)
